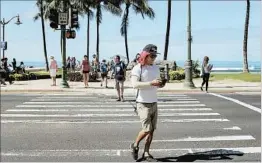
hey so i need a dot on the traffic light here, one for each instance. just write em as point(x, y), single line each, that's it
point(70, 34)
point(73, 12)
point(53, 18)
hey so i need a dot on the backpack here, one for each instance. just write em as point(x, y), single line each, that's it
point(119, 71)
point(103, 68)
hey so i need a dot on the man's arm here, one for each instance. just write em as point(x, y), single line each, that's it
point(138, 84)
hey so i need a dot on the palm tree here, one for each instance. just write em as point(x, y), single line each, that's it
point(140, 7)
point(40, 5)
point(113, 7)
point(90, 16)
point(169, 6)
point(245, 65)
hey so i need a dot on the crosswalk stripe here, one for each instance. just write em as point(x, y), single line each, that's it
point(214, 138)
point(110, 121)
point(91, 102)
point(103, 106)
point(105, 115)
point(114, 100)
point(102, 110)
point(126, 152)
point(94, 97)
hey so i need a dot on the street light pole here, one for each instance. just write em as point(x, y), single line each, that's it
point(3, 22)
point(188, 64)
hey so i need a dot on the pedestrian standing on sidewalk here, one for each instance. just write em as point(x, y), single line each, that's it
point(145, 77)
point(120, 77)
point(85, 68)
point(53, 69)
point(205, 72)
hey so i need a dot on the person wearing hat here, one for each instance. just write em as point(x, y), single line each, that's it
point(145, 77)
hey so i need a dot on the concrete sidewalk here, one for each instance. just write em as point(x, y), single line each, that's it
point(44, 85)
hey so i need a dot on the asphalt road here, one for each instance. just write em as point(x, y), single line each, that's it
point(91, 128)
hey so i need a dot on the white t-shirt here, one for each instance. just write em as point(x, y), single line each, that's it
point(149, 73)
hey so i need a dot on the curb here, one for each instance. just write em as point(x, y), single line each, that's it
point(159, 91)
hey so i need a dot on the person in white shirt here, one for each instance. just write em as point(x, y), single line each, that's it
point(205, 72)
point(145, 77)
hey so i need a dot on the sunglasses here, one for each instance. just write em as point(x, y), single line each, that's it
point(153, 56)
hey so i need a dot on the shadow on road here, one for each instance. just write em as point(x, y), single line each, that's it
point(220, 154)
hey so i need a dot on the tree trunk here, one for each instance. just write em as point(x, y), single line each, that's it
point(245, 65)
point(126, 43)
point(97, 32)
point(167, 29)
point(44, 39)
point(88, 32)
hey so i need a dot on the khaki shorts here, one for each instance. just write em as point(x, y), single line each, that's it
point(119, 84)
point(148, 115)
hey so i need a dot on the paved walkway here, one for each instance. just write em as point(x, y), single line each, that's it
point(44, 85)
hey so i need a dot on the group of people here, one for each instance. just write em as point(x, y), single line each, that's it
point(7, 69)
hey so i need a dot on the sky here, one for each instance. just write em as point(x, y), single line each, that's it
point(217, 30)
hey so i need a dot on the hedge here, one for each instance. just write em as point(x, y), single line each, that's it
point(31, 76)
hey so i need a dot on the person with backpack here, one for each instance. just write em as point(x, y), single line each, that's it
point(104, 72)
point(145, 77)
point(120, 76)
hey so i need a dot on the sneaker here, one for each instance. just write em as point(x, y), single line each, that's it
point(134, 151)
point(149, 158)
point(122, 99)
point(118, 99)
point(201, 88)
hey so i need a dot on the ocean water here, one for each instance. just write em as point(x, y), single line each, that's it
point(216, 64)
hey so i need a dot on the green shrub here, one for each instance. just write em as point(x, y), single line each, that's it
point(177, 75)
point(30, 76)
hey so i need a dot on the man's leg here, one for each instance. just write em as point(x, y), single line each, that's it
point(122, 90)
point(143, 112)
point(150, 135)
point(118, 90)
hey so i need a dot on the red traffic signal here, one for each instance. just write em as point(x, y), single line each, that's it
point(71, 34)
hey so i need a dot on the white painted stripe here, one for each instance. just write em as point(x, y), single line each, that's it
point(195, 120)
point(105, 115)
point(102, 106)
point(232, 128)
point(114, 100)
point(126, 152)
point(238, 102)
point(95, 97)
point(90, 102)
point(87, 95)
point(214, 138)
point(102, 110)
point(110, 122)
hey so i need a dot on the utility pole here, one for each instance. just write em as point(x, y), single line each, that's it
point(188, 64)
point(64, 83)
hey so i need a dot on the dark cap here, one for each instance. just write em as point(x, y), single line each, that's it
point(151, 48)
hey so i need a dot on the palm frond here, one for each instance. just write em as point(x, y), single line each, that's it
point(115, 10)
point(36, 17)
point(138, 10)
point(150, 13)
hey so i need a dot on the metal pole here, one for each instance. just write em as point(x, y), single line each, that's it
point(188, 64)
point(64, 83)
point(3, 36)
